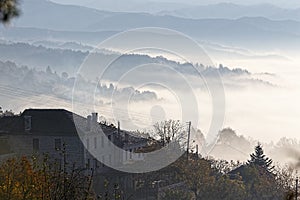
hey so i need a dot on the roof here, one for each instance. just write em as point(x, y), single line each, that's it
point(238, 171)
point(58, 122)
point(243, 171)
point(49, 122)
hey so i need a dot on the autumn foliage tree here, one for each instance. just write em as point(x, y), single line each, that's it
point(18, 180)
point(32, 179)
point(206, 182)
point(220, 180)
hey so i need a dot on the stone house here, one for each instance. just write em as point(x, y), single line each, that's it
point(49, 131)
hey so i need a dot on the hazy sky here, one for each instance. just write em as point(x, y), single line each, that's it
point(280, 3)
point(254, 110)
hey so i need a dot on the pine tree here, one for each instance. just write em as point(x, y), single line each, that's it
point(8, 10)
point(49, 70)
point(258, 158)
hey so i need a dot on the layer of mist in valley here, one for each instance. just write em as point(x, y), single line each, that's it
point(254, 54)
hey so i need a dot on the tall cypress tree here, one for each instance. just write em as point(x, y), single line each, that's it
point(258, 158)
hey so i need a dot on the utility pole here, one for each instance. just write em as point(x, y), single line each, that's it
point(296, 195)
point(164, 139)
point(188, 141)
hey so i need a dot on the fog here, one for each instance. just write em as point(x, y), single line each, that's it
point(261, 105)
point(252, 61)
point(118, 3)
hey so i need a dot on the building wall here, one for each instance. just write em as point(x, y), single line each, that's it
point(97, 143)
point(24, 145)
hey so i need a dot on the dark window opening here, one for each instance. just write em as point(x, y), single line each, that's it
point(57, 144)
point(95, 143)
point(87, 144)
point(88, 165)
point(36, 145)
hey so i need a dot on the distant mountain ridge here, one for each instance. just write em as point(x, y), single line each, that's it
point(67, 60)
point(49, 15)
point(77, 22)
point(196, 9)
point(235, 11)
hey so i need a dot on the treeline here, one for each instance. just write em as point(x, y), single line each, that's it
point(22, 81)
point(43, 177)
point(189, 177)
point(40, 57)
point(203, 178)
point(68, 60)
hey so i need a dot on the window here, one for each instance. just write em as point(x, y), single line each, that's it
point(109, 138)
point(27, 123)
point(87, 144)
point(36, 145)
point(59, 162)
point(109, 159)
point(57, 144)
point(103, 160)
point(88, 165)
point(96, 163)
point(95, 142)
point(130, 154)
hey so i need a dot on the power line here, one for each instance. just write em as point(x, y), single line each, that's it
point(19, 93)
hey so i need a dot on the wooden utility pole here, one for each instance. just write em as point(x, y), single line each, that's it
point(188, 140)
point(296, 195)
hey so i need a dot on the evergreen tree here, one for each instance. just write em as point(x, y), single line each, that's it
point(49, 70)
point(8, 10)
point(258, 158)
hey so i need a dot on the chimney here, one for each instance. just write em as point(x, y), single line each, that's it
point(89, 122)
point(94, 117)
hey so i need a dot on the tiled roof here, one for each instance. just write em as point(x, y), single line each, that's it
point(43, 122)
point(58, 122)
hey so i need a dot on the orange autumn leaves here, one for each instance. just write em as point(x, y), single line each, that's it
point(19, 180)
point(24, 178)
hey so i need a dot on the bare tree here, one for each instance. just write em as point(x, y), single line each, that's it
point(170, 131)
